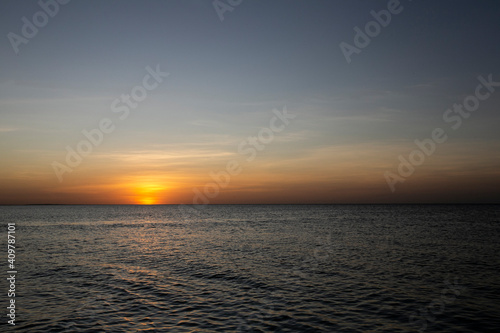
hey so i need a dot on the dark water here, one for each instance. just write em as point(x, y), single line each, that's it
point(255, 268)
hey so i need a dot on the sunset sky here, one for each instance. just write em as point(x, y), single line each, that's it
point(233, 79)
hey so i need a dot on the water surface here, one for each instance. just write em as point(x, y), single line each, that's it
point(256, 268)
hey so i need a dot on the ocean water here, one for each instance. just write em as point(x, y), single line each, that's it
point(254, 268)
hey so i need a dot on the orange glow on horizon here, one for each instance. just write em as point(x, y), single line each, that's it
point(148, 193)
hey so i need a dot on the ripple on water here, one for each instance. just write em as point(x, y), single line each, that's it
point(258, 268)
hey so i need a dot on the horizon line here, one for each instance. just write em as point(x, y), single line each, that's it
point(262, 204)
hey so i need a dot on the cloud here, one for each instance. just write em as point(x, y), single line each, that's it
point(8, 129)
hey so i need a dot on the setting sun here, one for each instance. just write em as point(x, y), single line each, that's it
point(148, 194)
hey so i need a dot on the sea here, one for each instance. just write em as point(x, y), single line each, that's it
point(251, 268)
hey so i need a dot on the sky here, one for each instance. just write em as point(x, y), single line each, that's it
point(251, 101)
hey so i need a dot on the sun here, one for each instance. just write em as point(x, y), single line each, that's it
point(147, 201)
point(148, 194)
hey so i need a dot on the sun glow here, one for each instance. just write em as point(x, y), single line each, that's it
point(148, 194)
